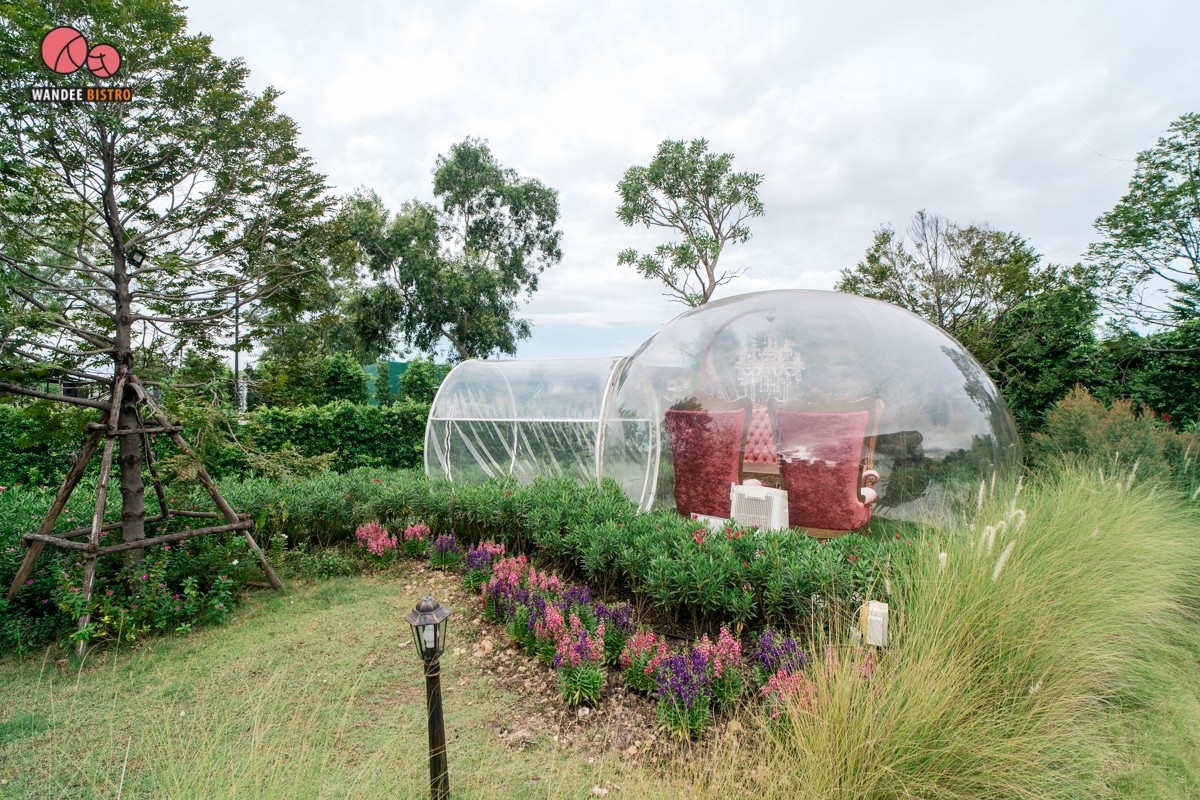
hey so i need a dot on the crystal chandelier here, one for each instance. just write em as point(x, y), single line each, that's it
point(770, 370)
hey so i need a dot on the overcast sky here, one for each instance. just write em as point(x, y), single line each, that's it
point(1023, 115)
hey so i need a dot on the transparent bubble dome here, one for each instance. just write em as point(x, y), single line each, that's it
point(939, 423)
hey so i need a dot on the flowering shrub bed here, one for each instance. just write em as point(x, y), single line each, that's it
point(175, 587)
point(556, 621)
point(593, 534)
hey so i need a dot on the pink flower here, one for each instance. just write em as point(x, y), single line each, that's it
point(375, 538)
point(145, 576)
point(418, 532)
point(786, 686)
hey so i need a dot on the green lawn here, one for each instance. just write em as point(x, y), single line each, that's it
point(314, 692)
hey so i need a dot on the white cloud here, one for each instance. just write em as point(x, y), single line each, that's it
point(1025, 115)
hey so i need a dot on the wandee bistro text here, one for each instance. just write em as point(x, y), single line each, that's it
point(80, 94)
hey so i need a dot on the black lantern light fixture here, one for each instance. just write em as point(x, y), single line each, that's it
point(428, 621)
point(135, 256)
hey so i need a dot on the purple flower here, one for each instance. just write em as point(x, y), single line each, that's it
point(618, 616)
point(683, 679)
point(575, 595)
point(446, 543)
point(480, 557)
point(777, 652)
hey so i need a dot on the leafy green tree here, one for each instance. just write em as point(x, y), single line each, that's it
point(1160, 371)
point(1047, 345)
point(196, 171)
point(695, 193)
point(1149, 250)
point(342, 378)
point(454, 271)
point(420, 381)
point(961, 279)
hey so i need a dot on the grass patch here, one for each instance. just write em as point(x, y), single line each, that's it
point(1053, 650)
point(315, 692)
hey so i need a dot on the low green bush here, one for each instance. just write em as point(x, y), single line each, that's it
point(692, 576)
point(1123, 437)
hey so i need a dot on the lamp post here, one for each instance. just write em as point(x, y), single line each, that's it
point(428, 621)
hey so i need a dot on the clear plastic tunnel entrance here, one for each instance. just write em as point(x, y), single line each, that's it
point(525, 419)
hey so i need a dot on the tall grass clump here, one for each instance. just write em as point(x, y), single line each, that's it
point(1013, 656)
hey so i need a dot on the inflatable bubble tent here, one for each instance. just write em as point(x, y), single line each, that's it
point(807, 391)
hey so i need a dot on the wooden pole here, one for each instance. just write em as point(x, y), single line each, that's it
point(89, 571)
point(215, 493)
point(158, 489)
point(167, 538)
point(60, 501)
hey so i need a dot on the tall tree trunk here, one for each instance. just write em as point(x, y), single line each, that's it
point(133, 500)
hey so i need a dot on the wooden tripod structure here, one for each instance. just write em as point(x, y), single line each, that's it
point(127, 388)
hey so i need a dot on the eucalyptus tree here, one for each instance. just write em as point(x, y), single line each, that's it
point(689, 191)
point(1149, 250)
point(453, 272)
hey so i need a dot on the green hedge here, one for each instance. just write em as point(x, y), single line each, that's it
point(39, 441)
point(363, 435)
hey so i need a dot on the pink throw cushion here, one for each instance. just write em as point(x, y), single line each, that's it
point(705, 448)
point(819, 460)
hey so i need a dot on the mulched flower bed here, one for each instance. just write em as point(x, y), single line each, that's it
point(621, 721)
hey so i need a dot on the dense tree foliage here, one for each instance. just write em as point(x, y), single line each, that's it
point(961, 278)
point(695, 193)
point(1150, 241)
point(454, 272)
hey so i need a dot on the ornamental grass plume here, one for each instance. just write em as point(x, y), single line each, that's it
point(1010, 673)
